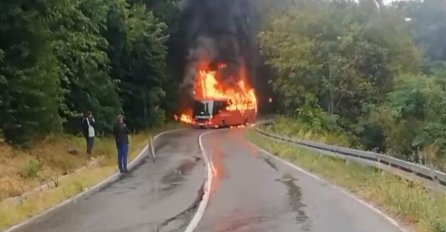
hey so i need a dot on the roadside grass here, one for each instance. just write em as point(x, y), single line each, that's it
point(70, 186)
point(23, 171)
point(408, 202)
point(289, 127)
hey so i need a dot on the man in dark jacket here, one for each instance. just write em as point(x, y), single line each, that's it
point(89, 130)
point(121, 132)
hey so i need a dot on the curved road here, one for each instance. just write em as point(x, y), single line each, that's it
point(250, 192)
point(254, 192)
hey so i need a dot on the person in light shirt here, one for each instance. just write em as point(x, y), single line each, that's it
point(89, 130)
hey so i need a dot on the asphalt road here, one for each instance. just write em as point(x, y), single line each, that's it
point(253, 192)
point(250, 192)
point(152, 197)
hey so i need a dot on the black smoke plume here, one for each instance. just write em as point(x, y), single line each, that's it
point(218, 31)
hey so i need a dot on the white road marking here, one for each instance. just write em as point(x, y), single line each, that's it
point(371, 207)
point(207, 188)
point(89, 190)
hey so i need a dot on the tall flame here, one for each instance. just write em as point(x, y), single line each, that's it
point(239, 94)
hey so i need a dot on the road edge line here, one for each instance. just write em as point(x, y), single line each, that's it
point(340, 189)
point(207, 189)
point(91, 190)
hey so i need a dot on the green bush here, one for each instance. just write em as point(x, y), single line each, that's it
point(31, 169)
point(440, 227)
point(298, 128)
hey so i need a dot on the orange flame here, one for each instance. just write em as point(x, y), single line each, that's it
point(240, 95)
point(184, 117)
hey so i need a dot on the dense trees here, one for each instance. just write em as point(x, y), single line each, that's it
point(374, 73)
point(428, 24)
point(357, 68)
point(29, 74)
point(82, 52)
point(61, 58)
point(138, 51)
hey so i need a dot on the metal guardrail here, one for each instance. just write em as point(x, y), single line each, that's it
point(419, 170)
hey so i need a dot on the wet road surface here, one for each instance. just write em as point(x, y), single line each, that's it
point(153, 197)
point(250, 192)
point(253, 192)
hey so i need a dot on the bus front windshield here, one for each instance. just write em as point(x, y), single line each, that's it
point(202, 108)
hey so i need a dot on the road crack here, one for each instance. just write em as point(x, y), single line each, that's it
point(192, 207)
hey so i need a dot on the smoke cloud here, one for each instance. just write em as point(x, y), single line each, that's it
point(217, 31)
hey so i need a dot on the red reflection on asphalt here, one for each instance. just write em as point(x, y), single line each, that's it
point(216, 155)
point(243, 141)
point(240, 220)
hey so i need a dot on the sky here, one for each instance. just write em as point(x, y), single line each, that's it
point(389, 1)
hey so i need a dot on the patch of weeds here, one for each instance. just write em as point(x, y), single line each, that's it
point(31, 169)
point(66, 164)
point(10, 187)
point(441, 226)
point(78, 186)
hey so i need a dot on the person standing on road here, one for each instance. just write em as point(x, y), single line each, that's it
point(88, 129)
point(121, 133)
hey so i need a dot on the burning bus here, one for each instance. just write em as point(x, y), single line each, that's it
point(218, 113)
point(220, 56)
point(219, 104)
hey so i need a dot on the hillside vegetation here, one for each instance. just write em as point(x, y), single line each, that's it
point(362, 74)
point(354, 73)
point(60, 58)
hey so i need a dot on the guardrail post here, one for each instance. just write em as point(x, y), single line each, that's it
point(434, 177)
point(152, 149)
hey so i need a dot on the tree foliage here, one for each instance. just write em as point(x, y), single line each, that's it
point(357, 67)
point(61, 58)
point(82, 52)
point(338, 53)
point(138, 54)
point(30, 86)
point(428, 25)
point(372, 72)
